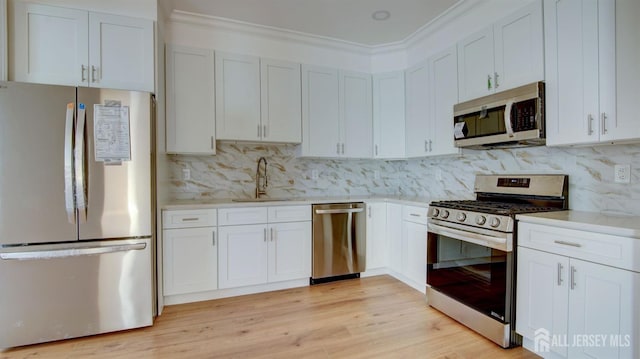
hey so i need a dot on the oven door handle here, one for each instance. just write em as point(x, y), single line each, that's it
point(500, 243)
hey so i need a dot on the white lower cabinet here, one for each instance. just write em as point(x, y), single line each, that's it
point(568, 307)
point(414, 246)
point(377, 247)
point(190, 260)
point(394, 236)
point(243, 255)
point(190, 251)
point(257, 253)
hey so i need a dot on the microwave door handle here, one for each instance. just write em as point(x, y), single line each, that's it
point(507, 118)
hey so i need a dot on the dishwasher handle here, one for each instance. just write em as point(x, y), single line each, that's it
point(339, 210)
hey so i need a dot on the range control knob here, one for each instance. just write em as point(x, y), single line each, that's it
point(435, 212)
point(461, 217)
point(480, 219)
point(495, 222)
point(444, 213)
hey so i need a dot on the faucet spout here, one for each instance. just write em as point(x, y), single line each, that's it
point(261, 178)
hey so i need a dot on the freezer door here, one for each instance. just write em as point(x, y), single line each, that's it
point(60, 291)
point(33, 207)
point(118, 195)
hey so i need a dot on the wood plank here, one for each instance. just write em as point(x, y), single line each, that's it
point(360, 318)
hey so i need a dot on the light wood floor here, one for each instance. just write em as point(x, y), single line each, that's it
point(377, 317)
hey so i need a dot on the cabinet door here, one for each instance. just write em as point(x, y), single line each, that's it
point(518, 48)
point(475, 65)
point(542, 295)
point(190, 260)
point(51, 45)
point(414, 252)
point(417, 120)
point(443, 95)
point(377, 246)
point(602, 302)
point(626, 123)
point(281, 100)
point(356, 115)
point(190, 100)
point(394, 236)
point(320, 114)
point(237, 97)
point(242, 255)
point(289, 251)
point(571, 57)
point(388, 115)
point(121, 52)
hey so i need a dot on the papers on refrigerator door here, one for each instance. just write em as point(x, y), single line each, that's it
point(111, 134)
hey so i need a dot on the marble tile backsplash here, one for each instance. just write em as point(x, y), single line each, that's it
point(231, 174)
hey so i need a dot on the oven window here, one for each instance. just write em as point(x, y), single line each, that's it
point(472, 274)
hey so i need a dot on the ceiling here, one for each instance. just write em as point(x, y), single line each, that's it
point(346, 20)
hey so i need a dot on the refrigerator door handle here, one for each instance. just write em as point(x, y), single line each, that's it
point(80, 163)
point(69, 200)
point(71, 252)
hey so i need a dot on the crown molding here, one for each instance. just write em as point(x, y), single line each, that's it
point(275, 33)
point(237, 26)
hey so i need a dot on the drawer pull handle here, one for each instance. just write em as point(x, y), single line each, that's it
point(190, 219)
point(564, 243)
point(414, 215)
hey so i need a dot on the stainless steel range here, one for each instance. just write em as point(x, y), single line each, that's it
point(471, 250)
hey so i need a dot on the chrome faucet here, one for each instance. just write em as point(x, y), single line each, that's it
point(261, 188)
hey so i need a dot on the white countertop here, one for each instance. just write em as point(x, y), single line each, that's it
point(227, 203)
point(617, 225)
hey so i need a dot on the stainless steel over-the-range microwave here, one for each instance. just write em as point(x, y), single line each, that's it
point(512, 118)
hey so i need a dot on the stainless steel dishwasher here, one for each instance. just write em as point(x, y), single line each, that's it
point(339, 243)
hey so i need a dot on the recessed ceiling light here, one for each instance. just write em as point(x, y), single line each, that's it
point(381, 15)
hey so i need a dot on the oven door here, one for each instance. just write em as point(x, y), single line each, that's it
point(470, 272)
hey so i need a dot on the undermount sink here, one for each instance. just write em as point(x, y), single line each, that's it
point(261, 199)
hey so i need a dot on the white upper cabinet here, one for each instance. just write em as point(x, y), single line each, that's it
point(443, 94)
point(257, 99)
point(121, 52)
point(51, 45)
point(320, 113)
point(237, 97)
point(504, 55)
point(592, 54)
point(190, 100)
point(356, 118)
point(431, 92)
point(388, 115)
point(56, 45)
point(417, 110)
point(336, 113)
point(281, 99)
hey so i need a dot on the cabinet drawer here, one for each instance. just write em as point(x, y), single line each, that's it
point(245, 215)
point(289, 213)
point(414, 214)
point(615, 251)
point(188, 218)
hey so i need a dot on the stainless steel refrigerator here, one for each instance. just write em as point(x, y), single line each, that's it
point(76, 210)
